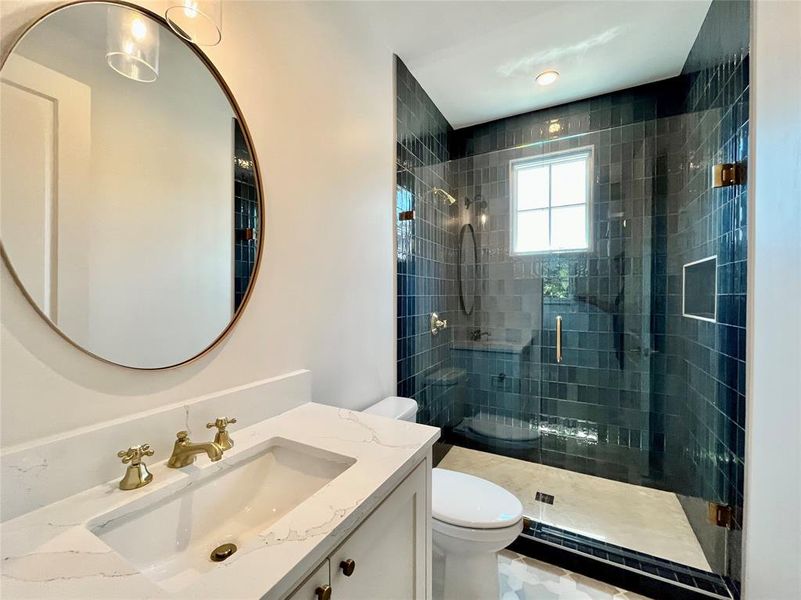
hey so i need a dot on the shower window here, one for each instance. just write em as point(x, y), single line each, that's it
point(550, 200)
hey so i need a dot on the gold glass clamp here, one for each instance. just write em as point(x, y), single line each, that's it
point(222, 437)
point(136, 475)
point(726, 174)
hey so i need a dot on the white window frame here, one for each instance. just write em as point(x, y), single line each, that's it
point(550, 159)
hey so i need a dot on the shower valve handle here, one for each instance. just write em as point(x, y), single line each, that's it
point(437, 324)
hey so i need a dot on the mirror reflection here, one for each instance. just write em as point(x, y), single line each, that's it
point(468, 263)
point(129, 195)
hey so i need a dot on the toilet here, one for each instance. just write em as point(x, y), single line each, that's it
point(472, 520)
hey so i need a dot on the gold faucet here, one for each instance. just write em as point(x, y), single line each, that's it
point(222, 438)
point(185, 451)
point(136, 475)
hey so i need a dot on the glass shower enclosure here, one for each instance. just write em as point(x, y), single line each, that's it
point(505, 386)
point(584, 359)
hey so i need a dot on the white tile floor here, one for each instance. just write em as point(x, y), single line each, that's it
point(636, 517)
point(523, 578)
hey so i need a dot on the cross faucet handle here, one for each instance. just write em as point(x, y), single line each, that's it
point(221, 423)
point(134, 454)
point(136, 475)
point(222, 438)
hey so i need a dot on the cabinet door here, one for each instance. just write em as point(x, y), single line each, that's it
point(389, 550)
point(313, 588)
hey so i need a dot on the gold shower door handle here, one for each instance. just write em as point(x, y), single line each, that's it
point(558, 339)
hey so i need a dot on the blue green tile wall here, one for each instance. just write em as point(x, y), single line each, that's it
point(708, 359)
point(426, 245)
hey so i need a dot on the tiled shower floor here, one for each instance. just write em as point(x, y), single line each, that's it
point(639, 518)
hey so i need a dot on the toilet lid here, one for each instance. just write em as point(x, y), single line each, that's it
point(467, 501)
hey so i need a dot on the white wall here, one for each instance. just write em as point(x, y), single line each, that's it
point(161, 284)
point(772, 529)
point(161, 266)
point(317, 94)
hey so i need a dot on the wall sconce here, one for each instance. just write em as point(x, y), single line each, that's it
point(132, 44)
point(197, 21)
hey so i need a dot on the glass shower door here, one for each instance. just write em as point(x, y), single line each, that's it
point(497, 322)
point(589, 411)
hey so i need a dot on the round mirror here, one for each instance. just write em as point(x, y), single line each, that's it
point(129, 192)
point(468, 266)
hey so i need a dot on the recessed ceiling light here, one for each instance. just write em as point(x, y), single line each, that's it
point(547, 77)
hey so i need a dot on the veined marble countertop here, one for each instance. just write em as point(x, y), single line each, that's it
point(51, 552)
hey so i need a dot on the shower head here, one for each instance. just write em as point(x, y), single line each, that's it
point(444, 195)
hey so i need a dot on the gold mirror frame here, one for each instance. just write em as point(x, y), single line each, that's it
point(257, 173)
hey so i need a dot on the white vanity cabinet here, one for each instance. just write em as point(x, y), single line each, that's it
point(387, 557)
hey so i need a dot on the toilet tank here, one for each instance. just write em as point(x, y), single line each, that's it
point(395, 407)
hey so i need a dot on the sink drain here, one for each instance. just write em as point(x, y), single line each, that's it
point(220, 553)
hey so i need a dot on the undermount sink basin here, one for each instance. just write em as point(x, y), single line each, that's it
point(170, 540)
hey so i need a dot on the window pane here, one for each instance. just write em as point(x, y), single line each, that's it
point(569, 182)
point(532, 187)
point(569, 228)
point(532, 231)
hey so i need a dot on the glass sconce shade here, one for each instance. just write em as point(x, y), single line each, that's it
point(197, 21)
point(132, 44)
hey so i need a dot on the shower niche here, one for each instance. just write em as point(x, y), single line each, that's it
point(699, 289)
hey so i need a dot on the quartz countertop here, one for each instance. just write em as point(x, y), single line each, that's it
point(51, 552)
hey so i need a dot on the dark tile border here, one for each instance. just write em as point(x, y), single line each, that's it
point(633, 571)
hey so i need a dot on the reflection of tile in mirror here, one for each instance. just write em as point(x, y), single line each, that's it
point(700, 289)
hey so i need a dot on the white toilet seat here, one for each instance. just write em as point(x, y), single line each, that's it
point(498, 535)
point(468, 502)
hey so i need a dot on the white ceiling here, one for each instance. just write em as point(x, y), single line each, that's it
point(478, 60)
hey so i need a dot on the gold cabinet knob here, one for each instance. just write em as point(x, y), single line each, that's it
point(323, 592)
point(347, 566)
